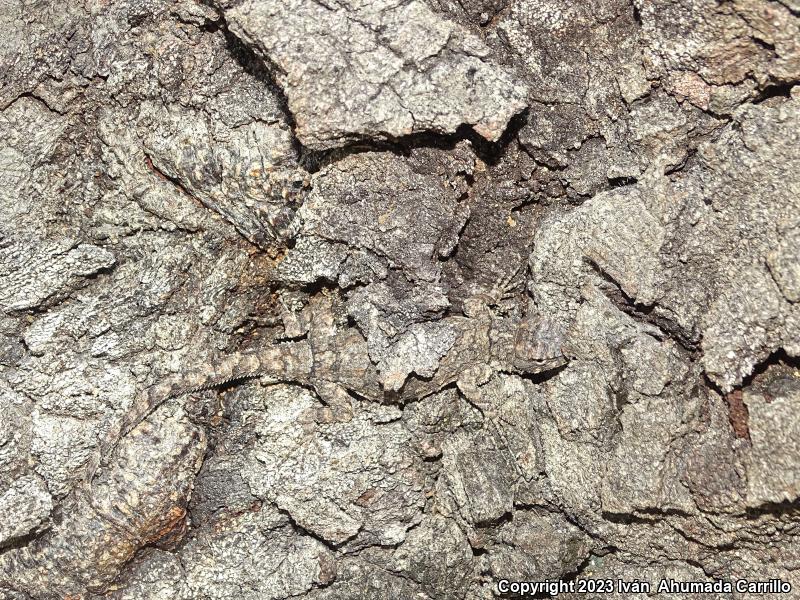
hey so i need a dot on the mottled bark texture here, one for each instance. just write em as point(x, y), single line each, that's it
point(339, 299)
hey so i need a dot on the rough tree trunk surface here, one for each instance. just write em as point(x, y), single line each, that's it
point(397, 298)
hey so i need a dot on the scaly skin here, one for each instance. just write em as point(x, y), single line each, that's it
point(333, 361)
point(341, 363)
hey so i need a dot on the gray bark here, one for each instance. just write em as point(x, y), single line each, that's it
point(396, 299)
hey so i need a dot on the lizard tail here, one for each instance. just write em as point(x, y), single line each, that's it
point(230, 368)
point(285, 361)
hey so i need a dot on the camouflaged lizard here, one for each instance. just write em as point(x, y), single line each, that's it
point(485, 345)
point(115, 513)
point(336, 362)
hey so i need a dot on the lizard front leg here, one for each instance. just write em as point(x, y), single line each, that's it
point(470, 380)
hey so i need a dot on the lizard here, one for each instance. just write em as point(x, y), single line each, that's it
point(332, 359)
point(335, 362)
